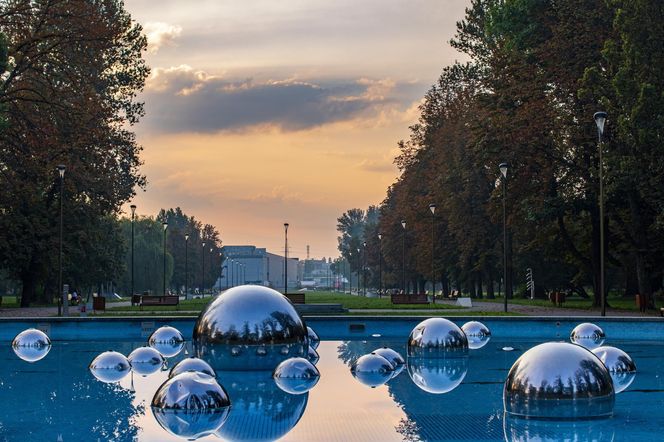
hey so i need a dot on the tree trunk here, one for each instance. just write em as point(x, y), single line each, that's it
point(642, 269)
point(489, 286)
point(29, 288)
point(509, 284)
point(631, 280)
point(445, 283)
point(479, 285)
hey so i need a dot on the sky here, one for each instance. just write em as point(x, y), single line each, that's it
point(263, 112)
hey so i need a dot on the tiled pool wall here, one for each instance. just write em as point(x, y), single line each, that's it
point(337, 328)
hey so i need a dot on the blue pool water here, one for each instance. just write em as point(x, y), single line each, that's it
point(58, 399)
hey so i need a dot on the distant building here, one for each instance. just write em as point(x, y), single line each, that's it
point(252, 265)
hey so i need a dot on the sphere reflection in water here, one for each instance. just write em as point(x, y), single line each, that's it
point(31, 345)
point(558, 380)
point(296, 375)
point(372, 370)
point(247, 328)
point(392, 356)
point(192, 364)
point(528, 430)
point(145, 361)
point(437, 337)
point(620, 365)
point(477, 333)
point(587, 335)
point(261, 411)
point(437, 375)
point(314, 340)
point(167, 340)
point(110, 367)
point(191, 425)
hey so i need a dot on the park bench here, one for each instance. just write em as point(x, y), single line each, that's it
point(159, 301)
point(295, 298)
point(135, 300)
point(418, 298)
point(557, 298)
point(99, 304)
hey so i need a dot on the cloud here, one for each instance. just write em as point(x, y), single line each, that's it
point(160, 34)
point(182, 99)
point(379, 166)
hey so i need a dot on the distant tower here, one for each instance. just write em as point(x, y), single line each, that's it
point(307, 251)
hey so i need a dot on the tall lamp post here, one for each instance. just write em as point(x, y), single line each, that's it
point(432, 208)
point(403, 253)
point(231, 264)
point(61, 173)
point(359, 266)
point(133, 216)
point(221, 270)
point(285, 258)
point(186, 265)
point(165, 224)
point(600, 120)
point(503, 172)
point(364, 267)
point(212, 269)
point(380, 265)
point(203, 269)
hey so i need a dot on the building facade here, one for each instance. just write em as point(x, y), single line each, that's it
point(253, 265)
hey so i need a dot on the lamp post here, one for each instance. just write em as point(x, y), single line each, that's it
point(231, 270)
point(403, 253)
point(203, 269)
point(61, 173)
point(359, 265)
point(186, 264)
point(364, 267)
point(221, 270)
point(432, 208)
point(600, 120)
point(165, 224)
point(285, 258)
point(212, 273)
point(503, 172)
point(133, 216)
point(380, 265)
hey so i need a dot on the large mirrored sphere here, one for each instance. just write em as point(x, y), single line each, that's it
point(477, 333)
point(110, 367)
point(312, 355)
point(437, 337)
point(314, 340)
point(192, 364)
point(191, 391)
point(145, 361)
point(191, 425)
point(372, 370)
point(31, 345)
point(392, 356)
point(247, 328)
point(437, 375)
point(296, 375)
point(620, 365)
point(587, 335)
point(558, 380)
point(167, 340)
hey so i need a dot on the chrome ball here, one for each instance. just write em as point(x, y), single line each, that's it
point(437, 375)
point(312, 356)
point(247, 327)
point(477, 333)
point(620, 365)
point(437, 337)
point(145, 361)
point(296, 375)
point(191, 425)
point(31, 345)
point(192, 364)
point(191, 391)
point(393, 357)
point(167, 340)
point(314, 340)
point(587, 335)
point(372, 370)
point(558, 380)
point(110, 367)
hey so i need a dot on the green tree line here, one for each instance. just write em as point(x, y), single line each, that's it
point(537, 72)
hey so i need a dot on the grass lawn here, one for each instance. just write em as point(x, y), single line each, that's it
point(614, 302)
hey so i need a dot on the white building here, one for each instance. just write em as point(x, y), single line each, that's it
point(252, 265)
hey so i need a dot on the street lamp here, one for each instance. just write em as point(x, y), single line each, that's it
point(186, 265)
point(403, 253)
point(165, 224)
point(211, 269)
point(133, 216)
point(285, 258)
point(432, 208)
point(61, 172)
point(600, 120)
point(503, 172)
point(380, 265)
point(232, 271)
point(203, 270)
point(364, 267)
point(221, 270)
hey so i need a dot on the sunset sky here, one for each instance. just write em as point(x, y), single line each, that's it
point(261, 112)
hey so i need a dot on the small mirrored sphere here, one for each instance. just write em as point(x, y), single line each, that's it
point(192, 364)
point(620, 365)
point(477, 333)
point(145, 361)
point(314, 340)
point(31, 345)
point(437, 375)
point(191, 425)
point(372, 370)
point(191, 391)
point(392, 356)
point(437, 337)
point(296, 375)
point(110, 367)
point(587, 335)
point(312, 356)
point(167, 340)
point(558, 380)
point(247, 327)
